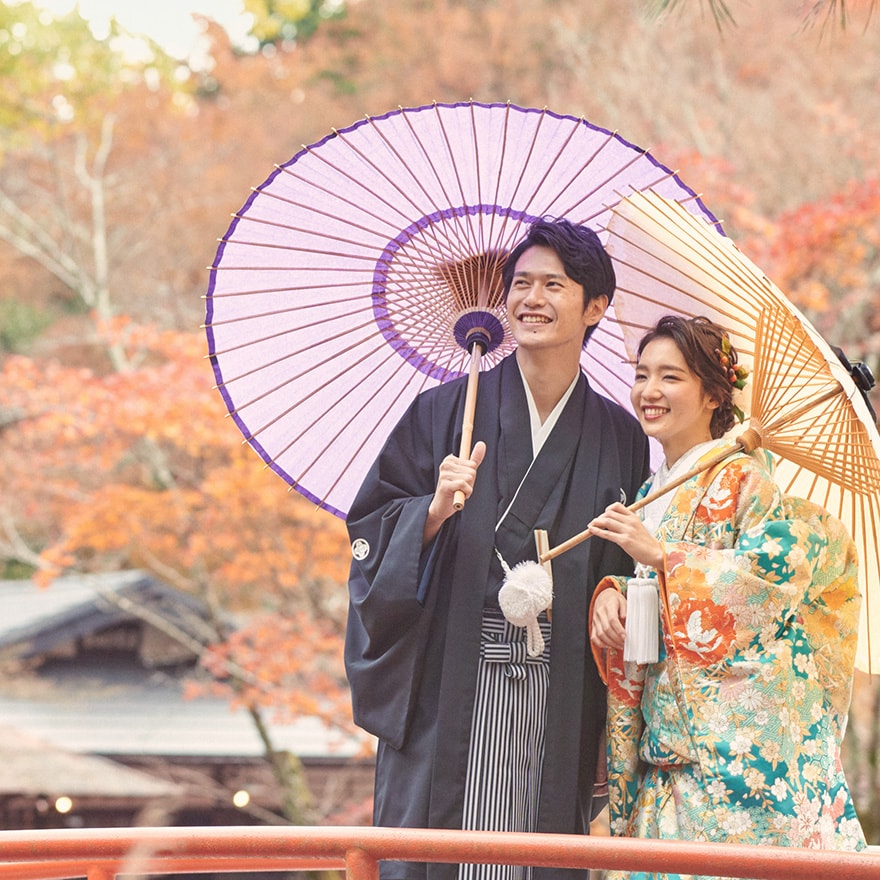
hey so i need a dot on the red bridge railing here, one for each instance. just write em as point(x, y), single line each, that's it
point(103, 854)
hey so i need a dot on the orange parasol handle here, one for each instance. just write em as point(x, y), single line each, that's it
point(747, 441)
point(470, 406)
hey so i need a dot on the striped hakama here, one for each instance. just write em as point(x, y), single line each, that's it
point(506, 755)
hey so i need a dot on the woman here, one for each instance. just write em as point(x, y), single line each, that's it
point(733, 734)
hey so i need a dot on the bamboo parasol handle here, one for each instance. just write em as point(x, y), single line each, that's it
point(470, 406)
point(747, 441)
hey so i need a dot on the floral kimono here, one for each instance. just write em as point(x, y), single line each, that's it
point(734, 734)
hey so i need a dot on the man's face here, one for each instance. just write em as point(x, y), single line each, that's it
point(545, 307)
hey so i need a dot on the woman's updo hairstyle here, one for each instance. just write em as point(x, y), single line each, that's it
point(707, 351)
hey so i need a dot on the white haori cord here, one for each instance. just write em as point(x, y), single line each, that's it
point(528, 587)
point(526, 592)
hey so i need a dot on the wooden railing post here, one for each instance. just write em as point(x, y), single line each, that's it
point(360, 865)
point(100, 872)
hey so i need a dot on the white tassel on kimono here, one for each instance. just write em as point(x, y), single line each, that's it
point(642, 644)
point(527, 590)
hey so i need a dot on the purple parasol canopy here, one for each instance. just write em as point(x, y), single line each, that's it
point(360, 272)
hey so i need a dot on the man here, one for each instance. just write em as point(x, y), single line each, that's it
point(472, 732)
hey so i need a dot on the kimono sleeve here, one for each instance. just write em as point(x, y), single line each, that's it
point(748, 571)
point(389, 617)
point(830, 616)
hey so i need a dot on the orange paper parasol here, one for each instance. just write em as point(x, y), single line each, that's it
point(807, 405)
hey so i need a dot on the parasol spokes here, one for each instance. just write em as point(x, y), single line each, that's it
point(779, 365)
point(475, 281)
point(476, 287)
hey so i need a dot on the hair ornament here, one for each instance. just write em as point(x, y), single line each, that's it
point(736, 375)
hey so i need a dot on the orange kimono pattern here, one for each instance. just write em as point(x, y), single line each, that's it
point(734, 735)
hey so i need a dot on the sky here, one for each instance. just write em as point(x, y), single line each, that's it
point(168, 22)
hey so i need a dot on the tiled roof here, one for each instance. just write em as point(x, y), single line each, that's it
point(29, 766)
point(161, 722)
point(92, 706)
point(35, 620)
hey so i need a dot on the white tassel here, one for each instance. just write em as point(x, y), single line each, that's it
point(642, 644)
point(526, 592)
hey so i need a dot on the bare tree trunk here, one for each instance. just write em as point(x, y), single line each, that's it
point(297, 800)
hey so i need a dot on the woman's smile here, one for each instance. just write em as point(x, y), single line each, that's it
point(669, 400)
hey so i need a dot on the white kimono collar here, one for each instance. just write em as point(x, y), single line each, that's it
point(541, 432)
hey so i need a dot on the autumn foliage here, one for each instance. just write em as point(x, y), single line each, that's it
point(117, 177)
point(141, 469)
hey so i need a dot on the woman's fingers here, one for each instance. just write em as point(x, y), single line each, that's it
point(608, 624)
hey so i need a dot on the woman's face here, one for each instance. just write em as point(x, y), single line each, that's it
point(669, 400)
